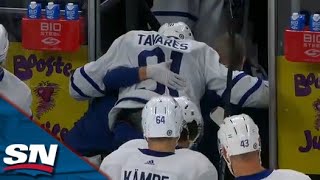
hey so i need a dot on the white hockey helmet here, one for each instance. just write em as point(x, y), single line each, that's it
point(178, 30)
point(239, 135)
point(192, 117)
point(4, 43)
point(162, 117)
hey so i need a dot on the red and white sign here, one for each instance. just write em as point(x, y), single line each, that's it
point(52, 35)
point(18, 158)
point(302, 46)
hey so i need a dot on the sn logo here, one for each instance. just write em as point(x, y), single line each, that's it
point(18, 158)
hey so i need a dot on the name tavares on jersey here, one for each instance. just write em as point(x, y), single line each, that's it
point(153, 39)
point(141, 175)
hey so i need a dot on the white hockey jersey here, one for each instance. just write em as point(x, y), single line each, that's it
point(280, 174)
point(15, 90)
point(133, 163)
point(205, 17)
point(135, 143)
point(195, 61)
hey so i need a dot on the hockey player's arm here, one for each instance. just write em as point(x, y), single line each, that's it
point(122, 76)
point(87, 81)
point(247, 91)
point(15, 90)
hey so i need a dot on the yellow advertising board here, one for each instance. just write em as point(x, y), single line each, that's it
point(47, 74)
point(298, 110)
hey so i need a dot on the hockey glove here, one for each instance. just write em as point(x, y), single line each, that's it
point(162, 74)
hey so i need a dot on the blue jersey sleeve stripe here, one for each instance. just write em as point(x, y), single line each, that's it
point(234, 82)
point(1, 73)
point(250, 92)
point(95, 85)
point(74, 87)
point(121, 77)
point(176, 13)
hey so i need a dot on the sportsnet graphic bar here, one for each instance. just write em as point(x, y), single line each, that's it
point(28, 151)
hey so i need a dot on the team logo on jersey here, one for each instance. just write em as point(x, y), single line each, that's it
point(169, 132)
point(45, 93)
point(27, 159)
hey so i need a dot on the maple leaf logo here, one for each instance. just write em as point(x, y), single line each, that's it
point(45, 93)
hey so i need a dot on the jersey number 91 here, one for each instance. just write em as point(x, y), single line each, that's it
point(175, 66)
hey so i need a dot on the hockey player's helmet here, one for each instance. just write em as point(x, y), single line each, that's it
point(239, 135)
point(4, 43)
point(162, 117)
point(193, 120)
point(178, 30)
